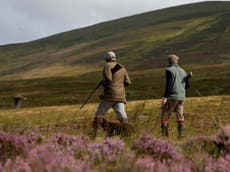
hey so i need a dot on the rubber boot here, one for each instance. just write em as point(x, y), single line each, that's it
point(164, 129)
point(93, 133)
point(123, 129)
point(180, 128)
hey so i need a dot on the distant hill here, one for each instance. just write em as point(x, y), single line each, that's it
point(199, 33)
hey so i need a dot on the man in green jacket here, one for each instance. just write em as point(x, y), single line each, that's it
point(174, 96)
point(115, 78)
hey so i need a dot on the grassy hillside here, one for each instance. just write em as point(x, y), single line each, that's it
point(203, 115)
point(61, 69)
point(58, 139)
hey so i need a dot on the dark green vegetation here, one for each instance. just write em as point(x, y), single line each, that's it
point(61, 69)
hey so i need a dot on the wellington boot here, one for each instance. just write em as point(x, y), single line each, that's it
point(164, 130)
point(180, 128)
point(93, 130)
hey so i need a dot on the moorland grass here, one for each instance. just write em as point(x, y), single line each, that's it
point(203, 116)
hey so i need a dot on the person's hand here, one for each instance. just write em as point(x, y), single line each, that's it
point(163, 102)
point(189, 75)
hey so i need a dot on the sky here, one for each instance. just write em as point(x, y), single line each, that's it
point(27, 20)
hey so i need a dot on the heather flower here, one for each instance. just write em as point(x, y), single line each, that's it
point(159, 149)
point(83, 166)
point(33, 137)
point(74, 145)
point(1, 167)
point(147, 164)
point(67, 140)
point(222, 164)
point(19, 165)
point(200, 160)
point(222, 140)
point(44, 158)
point(110, 150)
point(11, 145)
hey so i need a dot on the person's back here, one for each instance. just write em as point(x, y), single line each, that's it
point(177, 86)
point(114, 82)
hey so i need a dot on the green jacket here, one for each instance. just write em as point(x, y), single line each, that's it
point(175, 83)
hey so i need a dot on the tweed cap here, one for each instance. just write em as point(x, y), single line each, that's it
point(173, 58)
point(110, 55)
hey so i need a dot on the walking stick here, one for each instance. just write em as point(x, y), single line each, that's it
point(98, 85)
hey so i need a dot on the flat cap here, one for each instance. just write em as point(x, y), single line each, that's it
point(173, 58)
point(109, 55)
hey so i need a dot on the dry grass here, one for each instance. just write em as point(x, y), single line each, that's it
point(203, 115)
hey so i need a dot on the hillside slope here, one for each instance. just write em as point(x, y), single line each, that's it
point(199, 32)
point(61, 69)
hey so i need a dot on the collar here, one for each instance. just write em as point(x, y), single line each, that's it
point(173, 64)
